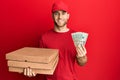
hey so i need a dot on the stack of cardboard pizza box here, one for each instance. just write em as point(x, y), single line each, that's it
point(40, 60)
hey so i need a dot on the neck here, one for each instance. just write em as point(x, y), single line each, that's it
point(61, 28)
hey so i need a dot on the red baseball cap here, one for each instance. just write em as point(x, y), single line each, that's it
point(59, 5)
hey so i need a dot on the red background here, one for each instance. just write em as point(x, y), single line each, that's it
point(23, 21)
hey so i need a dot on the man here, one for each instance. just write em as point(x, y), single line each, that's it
point(60, 38)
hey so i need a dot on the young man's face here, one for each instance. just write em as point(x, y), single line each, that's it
point(60, 18)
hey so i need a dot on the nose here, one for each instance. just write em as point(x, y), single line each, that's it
point(60, 16)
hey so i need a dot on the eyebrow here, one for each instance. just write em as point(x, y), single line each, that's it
point(59, 10)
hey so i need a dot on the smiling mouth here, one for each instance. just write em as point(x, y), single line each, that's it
point(60, 20)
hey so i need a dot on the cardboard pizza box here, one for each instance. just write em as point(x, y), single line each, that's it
point(38, 71)
point(35, 65)
point(30, 54)
point(41, 60)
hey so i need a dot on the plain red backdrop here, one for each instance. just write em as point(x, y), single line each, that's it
point(23, 21)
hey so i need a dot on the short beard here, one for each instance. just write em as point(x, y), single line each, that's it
point(58, 25)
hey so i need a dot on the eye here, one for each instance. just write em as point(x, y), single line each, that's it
point(56, 13)
point(64, 12)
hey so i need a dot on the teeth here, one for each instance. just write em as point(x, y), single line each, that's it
point(60, 21)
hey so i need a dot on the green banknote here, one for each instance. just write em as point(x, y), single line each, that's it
point(79, 38)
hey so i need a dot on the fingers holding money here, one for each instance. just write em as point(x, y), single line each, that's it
point(81, 51)
point(84, 49)
point(28, 72)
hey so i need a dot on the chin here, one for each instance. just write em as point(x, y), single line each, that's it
point(60, 25)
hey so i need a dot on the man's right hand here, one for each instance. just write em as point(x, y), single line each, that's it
point(28, 72)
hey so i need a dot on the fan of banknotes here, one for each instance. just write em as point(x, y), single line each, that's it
point(79, 38)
